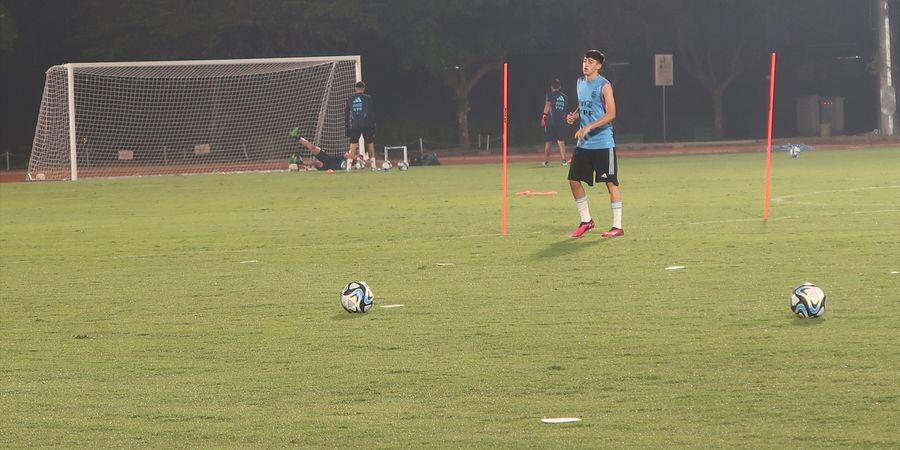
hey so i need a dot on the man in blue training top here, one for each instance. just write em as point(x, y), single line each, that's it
point(553, 122)
point(359, 120)
point(595, 152)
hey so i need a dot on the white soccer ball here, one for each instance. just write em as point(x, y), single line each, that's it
point(402, 165)
point(794, 151)
point(40, 177)
point(808, 301)
point(293, 168)
point(359, 164)
point(386, 165)
point(357, 297)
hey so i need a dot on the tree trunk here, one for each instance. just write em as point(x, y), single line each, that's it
point(463, 85)
point(462, 118)
point(717, 94)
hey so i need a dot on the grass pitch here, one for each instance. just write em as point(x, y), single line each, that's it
point(203, 311)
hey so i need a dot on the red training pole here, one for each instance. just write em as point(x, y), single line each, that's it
point(505, 142)
point(769, 138)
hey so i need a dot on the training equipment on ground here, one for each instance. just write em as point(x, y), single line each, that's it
point(357, 297)
point(561, 419)
point(808, 301)
point(402, 165)
point(181, 117)
point(387, 155)
point(537, 193)
point(386, 165)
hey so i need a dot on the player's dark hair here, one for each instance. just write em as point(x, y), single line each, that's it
point(555, 83)
point(596, 55)
point(360, 85)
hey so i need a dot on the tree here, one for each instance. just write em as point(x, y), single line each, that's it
point(712, 40)
point(178, 29)
point(713, 45)
point(460, 42)
point(8, 30)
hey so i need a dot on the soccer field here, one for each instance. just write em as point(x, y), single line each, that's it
point(202, 311)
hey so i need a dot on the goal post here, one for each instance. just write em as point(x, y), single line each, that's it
point(185, 117)
point(401, 147)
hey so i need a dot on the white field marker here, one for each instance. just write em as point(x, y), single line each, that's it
point(561, 419)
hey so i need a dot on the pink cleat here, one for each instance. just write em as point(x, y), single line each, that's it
point(613, 232)
point(583, 228)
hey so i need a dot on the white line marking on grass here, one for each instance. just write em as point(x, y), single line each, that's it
point(250, 261)
point(759, 219)
point(675, 267)
point(392, 306)
point(560, 419)
point(783, 198)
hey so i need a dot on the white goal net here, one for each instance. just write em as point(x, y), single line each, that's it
point(181, 117)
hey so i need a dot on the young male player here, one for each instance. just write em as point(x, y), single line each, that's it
point(595, 151)
point(359, 120)
point(324, 161)
point(552, 122)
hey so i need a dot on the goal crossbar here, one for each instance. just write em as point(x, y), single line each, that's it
point(215, 62)
point(401, 147)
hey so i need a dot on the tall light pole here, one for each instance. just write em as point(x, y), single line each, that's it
point(888, 104)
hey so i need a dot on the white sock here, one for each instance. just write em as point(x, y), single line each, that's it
point(582, 205)
point(617, 214)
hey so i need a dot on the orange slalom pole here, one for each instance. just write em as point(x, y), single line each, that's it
point(769, 138)
point(505, 142)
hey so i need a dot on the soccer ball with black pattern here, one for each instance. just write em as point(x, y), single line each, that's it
point(357, 297)
point(402, 165)
point(808, 301)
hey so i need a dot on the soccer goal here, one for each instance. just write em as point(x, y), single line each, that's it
point(387, 156)
point(184, 117)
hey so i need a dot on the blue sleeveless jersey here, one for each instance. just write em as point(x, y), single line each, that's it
point(592, 107)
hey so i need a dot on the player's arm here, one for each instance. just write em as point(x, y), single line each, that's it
point(610, 103)
point(546, 112)
point(572, 117)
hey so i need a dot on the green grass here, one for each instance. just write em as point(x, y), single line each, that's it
point(202, 311)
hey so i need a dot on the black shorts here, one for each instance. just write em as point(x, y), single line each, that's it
point(367, 132)
point(330, 161)
point(591, 165)
point(553, 133)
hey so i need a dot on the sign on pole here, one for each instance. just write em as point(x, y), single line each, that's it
point(664, 69)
